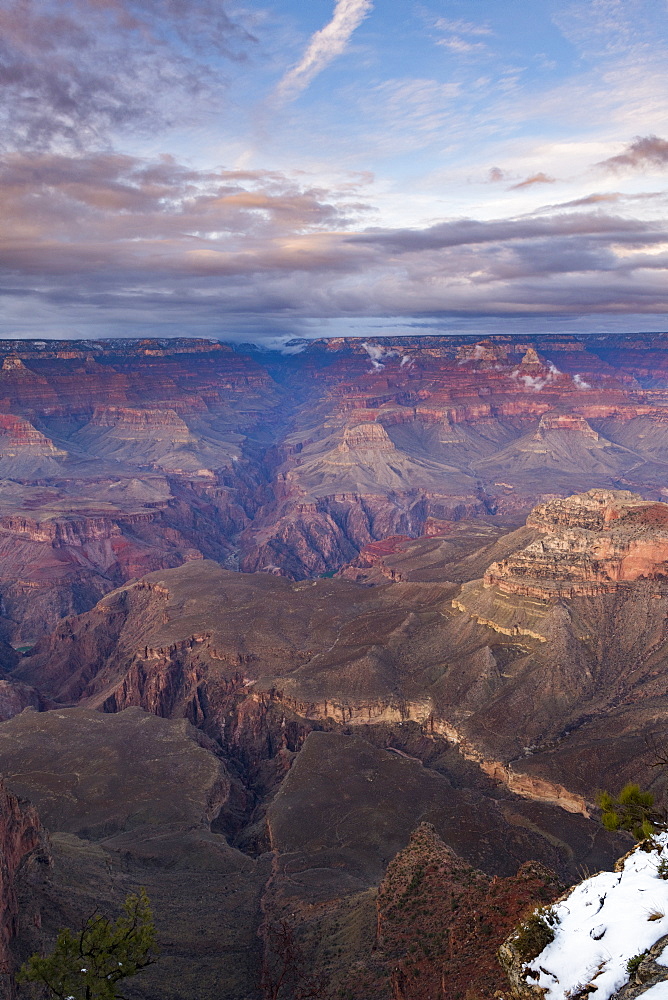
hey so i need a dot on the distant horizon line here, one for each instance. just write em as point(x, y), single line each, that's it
point(303, 342)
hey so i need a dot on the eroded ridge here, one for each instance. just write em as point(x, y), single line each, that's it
point(588, 544)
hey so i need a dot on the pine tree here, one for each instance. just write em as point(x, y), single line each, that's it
point(87, 965)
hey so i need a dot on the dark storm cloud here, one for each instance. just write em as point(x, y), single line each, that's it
point(116, 242)
point(471, 231)
point(644, 151)
point(72, 73)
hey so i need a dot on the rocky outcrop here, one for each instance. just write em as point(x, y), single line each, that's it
point(599, 542)
point(372, 436)
point(440, 920)
point(589, 544)
point(14, 697)
point(20, 835)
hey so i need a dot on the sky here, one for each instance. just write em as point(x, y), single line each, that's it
point(307, 168)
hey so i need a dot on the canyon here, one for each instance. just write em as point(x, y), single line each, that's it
point(291, 638)
point(122, 457)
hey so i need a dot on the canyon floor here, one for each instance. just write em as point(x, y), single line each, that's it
point(330, 650)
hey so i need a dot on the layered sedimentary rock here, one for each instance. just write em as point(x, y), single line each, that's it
point(525, 666)
point(119, 458)
point(293, 463)
point(503, 674)
point(589, 544)
point(477, 428)
point(25, 452)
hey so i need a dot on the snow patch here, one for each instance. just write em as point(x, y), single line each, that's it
point(657, 992)
point(601, 924)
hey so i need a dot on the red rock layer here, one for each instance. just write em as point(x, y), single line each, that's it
point(292, 464)
point(440, 922)
point(16, 434)
point(589, 544)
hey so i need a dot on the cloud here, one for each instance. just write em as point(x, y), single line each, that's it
point(74, 74)
point(594, 199)
point(605, 198)
point(404, 114)
point(324, 46)
point(540, 178)
point(376, 352)
point(644, 151)
point(114, 242)
point(461, 36)
point(495, 175)
point(462, 27)
point(455, 43)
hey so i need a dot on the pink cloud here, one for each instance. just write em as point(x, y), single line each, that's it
point(539, 178)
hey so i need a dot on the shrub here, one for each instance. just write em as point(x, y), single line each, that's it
point(535, 933)
point(633, 964)
point(631, 810)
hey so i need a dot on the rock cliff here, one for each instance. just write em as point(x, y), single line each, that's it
point(285, 658)
point(594, 543)
point(291, 464)
point(21, 834)
point(441, 921)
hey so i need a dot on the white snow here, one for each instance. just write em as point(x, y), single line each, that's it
point(601, 924)
point(657, 992)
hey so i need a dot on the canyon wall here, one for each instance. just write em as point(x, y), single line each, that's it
point(21, 834)
point(119, 457)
